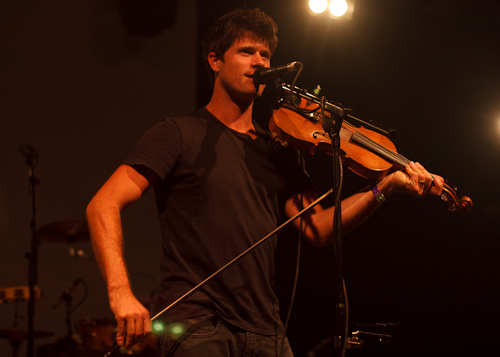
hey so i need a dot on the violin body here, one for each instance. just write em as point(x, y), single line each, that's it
point(365, 152)
point(305, 134)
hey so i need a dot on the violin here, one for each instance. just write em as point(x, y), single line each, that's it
point(366, 152)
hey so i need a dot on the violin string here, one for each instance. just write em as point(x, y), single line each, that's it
point(373, 145)
point(449, 195)
point(349, 131)
point(388, 153)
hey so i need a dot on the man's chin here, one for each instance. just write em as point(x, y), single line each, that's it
point(247, 97)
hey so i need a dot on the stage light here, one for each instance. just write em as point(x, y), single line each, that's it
point(338, 7)
point(318, 6)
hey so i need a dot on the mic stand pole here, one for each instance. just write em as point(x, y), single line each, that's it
point(340, 323)
point(232, 262)
point(69, 344)
point(31, 160)
point(69, 310)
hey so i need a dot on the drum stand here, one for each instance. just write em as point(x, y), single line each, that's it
point(15, 334)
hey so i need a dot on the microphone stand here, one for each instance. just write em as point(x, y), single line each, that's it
point(333, 126)
point(67, 297)
point(31, 156)
point(232, 262)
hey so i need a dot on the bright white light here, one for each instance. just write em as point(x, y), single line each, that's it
point(318, 6)
point(338, 7)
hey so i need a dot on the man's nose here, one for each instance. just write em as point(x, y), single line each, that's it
point(259, 61)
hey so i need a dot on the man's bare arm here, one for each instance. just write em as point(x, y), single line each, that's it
point(123, 188)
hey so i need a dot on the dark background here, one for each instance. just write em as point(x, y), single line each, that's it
point(81, 81)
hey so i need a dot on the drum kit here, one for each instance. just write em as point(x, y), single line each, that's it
point(93, 336)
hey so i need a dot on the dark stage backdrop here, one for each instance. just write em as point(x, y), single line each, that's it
point(81, 81)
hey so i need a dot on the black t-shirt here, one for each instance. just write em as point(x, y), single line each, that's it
point(219, 192)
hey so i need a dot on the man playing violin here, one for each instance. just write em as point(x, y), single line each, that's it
point(221, 184)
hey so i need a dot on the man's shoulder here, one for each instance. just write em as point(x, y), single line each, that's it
point(201, 113)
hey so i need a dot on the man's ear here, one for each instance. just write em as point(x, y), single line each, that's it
point(213, 61)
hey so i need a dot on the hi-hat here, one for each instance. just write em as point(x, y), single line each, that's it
point(71, 231)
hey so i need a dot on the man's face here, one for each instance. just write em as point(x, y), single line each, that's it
point(239, 63)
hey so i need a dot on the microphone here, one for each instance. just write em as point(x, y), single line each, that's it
point(268, 74)
point(66, 295)
point(29, 153)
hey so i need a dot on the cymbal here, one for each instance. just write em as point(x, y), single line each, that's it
point(17, 334)
point(71, 231)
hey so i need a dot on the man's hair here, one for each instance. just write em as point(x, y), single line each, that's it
point(233, 26)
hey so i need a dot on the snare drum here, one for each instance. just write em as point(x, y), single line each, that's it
point(96, 334)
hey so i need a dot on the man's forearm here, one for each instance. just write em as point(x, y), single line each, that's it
point(107, 242)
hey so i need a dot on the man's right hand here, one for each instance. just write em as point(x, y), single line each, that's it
point(132, 318)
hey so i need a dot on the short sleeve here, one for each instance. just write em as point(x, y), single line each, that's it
point(158, 149)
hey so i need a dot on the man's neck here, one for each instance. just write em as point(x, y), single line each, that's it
point(237, 116)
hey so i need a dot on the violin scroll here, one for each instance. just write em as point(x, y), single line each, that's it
point(449, 195)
